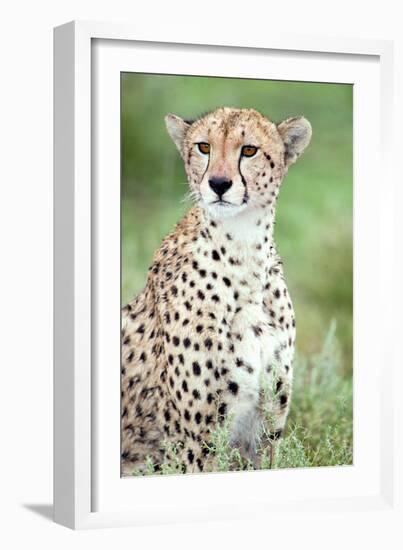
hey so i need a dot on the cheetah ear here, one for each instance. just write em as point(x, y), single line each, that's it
point(177, 128)
point(296, 134)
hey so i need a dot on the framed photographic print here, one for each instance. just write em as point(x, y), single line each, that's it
point(219, 242)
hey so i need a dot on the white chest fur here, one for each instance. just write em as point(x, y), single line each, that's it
point(241, 255)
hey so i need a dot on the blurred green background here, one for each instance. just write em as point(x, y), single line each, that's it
point(313, 231)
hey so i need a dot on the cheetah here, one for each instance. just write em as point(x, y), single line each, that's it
point(214, 326)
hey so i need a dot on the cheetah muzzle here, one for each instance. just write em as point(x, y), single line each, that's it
point(210, 339)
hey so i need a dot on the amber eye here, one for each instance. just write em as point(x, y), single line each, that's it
point(249, 150)
point(204, 148)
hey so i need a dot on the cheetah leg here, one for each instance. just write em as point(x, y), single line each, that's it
point(264, 377)
point(245, 414)
point(276, 392)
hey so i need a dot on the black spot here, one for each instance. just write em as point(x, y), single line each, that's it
point(215, 255)
point(196, 368)
point(283, 399)
point(222, 409)
point(200, 295)
point(143, 357)
point(257, 331)
point(185, 386)
point(227, 282)
point(198, 418)
point(191, 456)
point(233, 387)
point(175, 341)
point(167, 416)
point(187, 415)
point(202, 272)
point(277, 293)
point(196, 394)
point(208, 343)
point(199, 328)
point(210, 398)
point(215, 298)
point(186, 342)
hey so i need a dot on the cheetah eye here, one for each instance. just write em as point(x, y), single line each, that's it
point(248, 151)
point(204, 148)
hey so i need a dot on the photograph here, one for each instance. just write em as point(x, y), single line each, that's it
point(236, 274)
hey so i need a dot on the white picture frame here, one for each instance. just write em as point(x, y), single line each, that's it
point(88, 491)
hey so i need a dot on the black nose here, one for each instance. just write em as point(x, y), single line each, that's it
point(220, 185)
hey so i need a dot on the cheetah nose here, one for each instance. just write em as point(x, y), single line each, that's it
point(219, 185)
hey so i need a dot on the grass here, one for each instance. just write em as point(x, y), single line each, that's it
point(313, 233)
point(319, 429)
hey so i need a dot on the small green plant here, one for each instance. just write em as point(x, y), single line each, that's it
point(226, 457)
point(172, 463)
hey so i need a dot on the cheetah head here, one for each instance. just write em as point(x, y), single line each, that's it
point(236, 158)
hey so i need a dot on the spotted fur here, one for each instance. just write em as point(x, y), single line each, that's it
point(211, 337)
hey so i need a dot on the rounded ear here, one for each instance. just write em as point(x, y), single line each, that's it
point(296, 134)
point(177, 129)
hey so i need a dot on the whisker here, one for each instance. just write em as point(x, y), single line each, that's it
point(191, 196)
